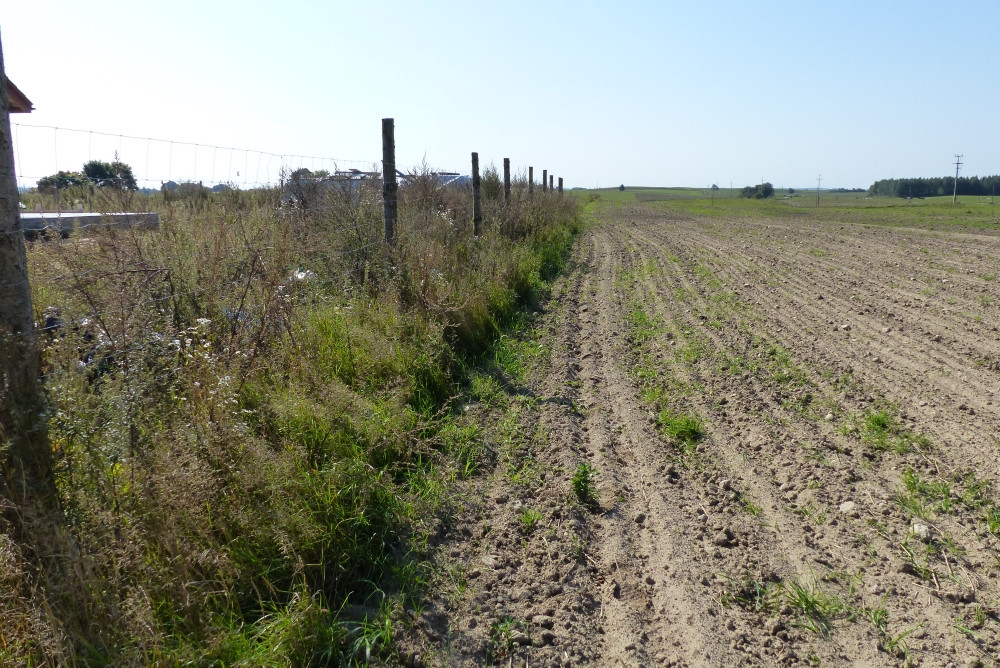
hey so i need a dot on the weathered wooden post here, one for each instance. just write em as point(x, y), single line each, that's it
point(531, 181)
point(390, 188)
point(477, 207)
point(22, 420)
point(560, 186)
point(550, 182)
point(506, 181)
point(545, 179)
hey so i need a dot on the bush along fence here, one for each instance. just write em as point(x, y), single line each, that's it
point(227, 438)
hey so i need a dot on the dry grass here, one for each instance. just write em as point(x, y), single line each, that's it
point(238, 405)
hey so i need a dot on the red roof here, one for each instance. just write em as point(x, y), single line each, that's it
point(19, 103)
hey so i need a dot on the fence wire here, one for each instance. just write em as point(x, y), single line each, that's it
point(48, 149)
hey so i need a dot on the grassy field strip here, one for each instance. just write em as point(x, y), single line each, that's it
point(261, 417)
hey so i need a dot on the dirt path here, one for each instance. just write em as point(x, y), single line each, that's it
point(794, 434)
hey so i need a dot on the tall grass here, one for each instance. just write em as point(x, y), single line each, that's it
point(248, 407)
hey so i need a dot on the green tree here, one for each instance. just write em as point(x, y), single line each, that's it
point(491, 185)
point(115, 175)
point(61, 181)
point(760, 191)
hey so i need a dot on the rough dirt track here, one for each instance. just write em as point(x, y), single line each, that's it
point(834, 508)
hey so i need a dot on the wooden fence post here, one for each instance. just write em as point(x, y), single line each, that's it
point(389, 186)
point(531, 181)
point(545, 179)
point(29, 456)
point(560, 186)
point(477, 207)
point(551, 178)
point(506, 181)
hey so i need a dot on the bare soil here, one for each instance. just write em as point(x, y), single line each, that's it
point(835, 509)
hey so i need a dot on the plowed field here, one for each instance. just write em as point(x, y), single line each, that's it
point(792, 439)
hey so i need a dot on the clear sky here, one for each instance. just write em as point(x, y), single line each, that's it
point(642, 93)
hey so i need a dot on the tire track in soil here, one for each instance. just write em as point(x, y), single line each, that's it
point(651, 608)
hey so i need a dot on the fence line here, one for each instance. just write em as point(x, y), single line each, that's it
point(190, 167)
point(194, 160)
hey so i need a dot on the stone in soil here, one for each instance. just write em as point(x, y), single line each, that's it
point(921, 531)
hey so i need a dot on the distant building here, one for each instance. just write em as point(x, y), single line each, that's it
point(443, 178)
point(19, 102)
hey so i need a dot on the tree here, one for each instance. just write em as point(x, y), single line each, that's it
point(61, 181)
point(492, 185)
point(760, 191)
point(715, 189)
point(115, 175)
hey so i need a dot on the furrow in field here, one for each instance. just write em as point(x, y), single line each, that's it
point(773, 540)
point(685, 241)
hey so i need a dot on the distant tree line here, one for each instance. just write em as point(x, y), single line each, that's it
point(759, 191)
point(931, 187)
point(116, 175)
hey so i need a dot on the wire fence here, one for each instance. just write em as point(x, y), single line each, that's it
point(109, 285)
point(44, 150)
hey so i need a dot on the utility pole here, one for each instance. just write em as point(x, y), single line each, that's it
point(819, 180)
point(958, 164)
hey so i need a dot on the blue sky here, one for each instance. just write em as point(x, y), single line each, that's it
point(641, 93)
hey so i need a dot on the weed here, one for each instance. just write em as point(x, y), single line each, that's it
point(583, 485)
point(578, 549)
point(882, 431)
point(529, 520)
point(921, 494)
point(965, 630)
point(643, 326)
point(459, 578)
point(815, 608)
point(992, 520)
point(685, 429)
point(754, 594)
point(879, 617)
point(502, 638)
point(977, 492)
point(751, 508)
point(897, 642)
